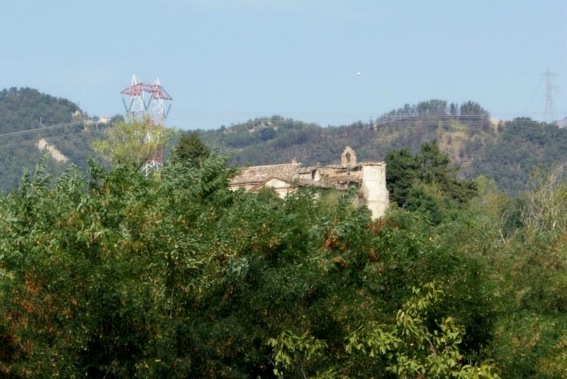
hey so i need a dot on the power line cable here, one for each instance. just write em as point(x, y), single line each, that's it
point(34, 141)
point(400, 121)
point(21, 132)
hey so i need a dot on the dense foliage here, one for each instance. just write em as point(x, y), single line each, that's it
point(117, 274)
point(426, 182)
point(190, 150)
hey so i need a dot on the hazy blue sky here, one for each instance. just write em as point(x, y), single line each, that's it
point(227, 61)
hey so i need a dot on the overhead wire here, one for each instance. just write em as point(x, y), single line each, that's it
point(43, 128)
point(403, 121)
point(341, 117)
point(34, 141)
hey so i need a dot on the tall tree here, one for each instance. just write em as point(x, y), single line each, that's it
point(435, 168)
point(401, 173)
point(132, 143)
point(190, 150)
point(407, 173)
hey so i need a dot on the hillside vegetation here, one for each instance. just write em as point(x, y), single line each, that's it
point(506, 151)
point(30, 120)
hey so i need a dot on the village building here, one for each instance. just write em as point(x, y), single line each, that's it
point(368, 177)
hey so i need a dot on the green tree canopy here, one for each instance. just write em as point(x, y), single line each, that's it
point(116, 274)
point(132, 143)
point(190, 150)
point(429, 167)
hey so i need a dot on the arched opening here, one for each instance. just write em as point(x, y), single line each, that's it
point(348, 158)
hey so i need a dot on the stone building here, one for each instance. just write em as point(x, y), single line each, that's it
point(368, 177)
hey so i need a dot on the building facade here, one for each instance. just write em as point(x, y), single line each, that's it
point(368, 177)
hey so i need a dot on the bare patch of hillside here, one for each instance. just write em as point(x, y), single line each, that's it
point(43, 145)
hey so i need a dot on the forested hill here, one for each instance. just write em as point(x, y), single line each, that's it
point(33, 124)
point(506, 151)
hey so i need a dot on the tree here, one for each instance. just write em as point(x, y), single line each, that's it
point(453, 109)
point(546, 204)
point(472, 113)
point(401, 173)
point(190, 150)
point(132, 143)
point(429, 167)
point(473, 109)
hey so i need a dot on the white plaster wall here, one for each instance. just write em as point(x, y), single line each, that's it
point(282, 188)
point(374, 188)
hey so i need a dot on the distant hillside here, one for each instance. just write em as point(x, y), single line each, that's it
point(33, 124)
point(507, 152)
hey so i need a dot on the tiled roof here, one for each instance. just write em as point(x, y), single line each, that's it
point(257, 174)
point(331, 176)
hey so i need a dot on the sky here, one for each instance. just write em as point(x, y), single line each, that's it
point(329, 62)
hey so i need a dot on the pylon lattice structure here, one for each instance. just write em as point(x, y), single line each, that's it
point(137, 110)
point(549, 88)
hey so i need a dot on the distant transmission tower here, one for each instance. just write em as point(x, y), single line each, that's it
point(549, 88)
point(158, 96)
point(137, 110)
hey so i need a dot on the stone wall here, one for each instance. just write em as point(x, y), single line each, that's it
point(368, 177)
